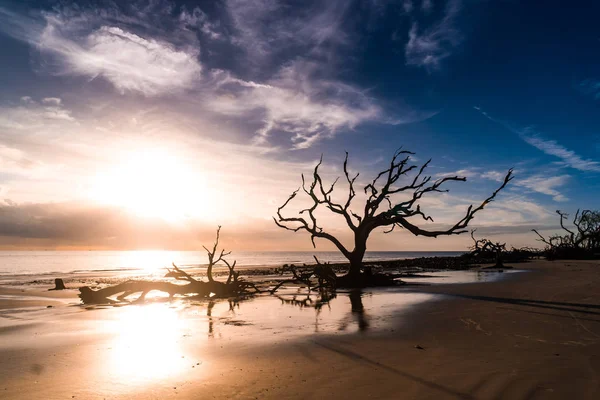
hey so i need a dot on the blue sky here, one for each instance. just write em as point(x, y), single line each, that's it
point(143, 124)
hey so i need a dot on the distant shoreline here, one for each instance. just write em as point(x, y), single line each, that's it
point(42, 265)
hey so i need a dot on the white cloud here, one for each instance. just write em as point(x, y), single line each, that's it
point(551, 147)
point(539, 183)
point(15, 162)
point(308, 109)
point(292, 101)
point(428, 47)
point(568, 157)
point(494, 175)
point(467, 173)
point(34, 115)
point(54, 101)
point(96, 44)
point(545, 185)
point(131, 63)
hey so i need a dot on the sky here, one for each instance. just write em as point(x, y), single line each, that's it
point(144, 124)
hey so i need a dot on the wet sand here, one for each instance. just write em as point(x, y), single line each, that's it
point(534, 335)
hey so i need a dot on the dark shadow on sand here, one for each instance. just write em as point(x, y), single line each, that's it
point(367, 361)
point(553, 305)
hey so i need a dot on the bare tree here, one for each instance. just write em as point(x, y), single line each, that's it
point(485, 247)
point(212, 261)
point(583, 240)
point(234, 286)
point(379, 209)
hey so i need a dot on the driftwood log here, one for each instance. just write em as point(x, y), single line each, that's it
point(194, 287)
point(233, 287)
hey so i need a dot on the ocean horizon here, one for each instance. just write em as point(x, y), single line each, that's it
point(76, 261)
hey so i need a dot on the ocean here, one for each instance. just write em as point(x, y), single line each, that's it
point(48, 262)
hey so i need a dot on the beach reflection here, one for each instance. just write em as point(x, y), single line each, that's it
point(147, 344)
point(150, 261)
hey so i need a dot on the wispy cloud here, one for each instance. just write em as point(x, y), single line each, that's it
point(268, 28)
point(32, 114)
point(467, 173)
point(428, 46)
point(307, 109)
point(539, 183)
point(15, 162)
point(551, 147)
point(590, 87)
point(545, 185)
point(300, 99)
point(88, 44)
point(568, 157)
point(128, 61)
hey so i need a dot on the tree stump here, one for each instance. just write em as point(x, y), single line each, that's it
point(59, 284)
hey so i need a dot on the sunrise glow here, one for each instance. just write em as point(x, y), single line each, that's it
point(153, 183)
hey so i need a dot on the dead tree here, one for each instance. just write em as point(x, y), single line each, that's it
point(581, 242)
point(484, 248)
point(234, 286)
point(212, 254)
point(379, 209)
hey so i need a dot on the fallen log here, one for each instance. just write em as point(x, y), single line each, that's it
point(101, 296)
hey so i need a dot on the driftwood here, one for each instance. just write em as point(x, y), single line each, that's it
point(485, 248)
point(234, 286)
point(579, 243)
point(194, 288)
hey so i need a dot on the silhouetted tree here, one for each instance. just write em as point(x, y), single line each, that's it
point(380, 191)
point(581, 242)
point(485, 248)
point(234, 286)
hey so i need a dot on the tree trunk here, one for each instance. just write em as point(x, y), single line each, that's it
point(357, 255)
point(355, 266)
point(209, 272)
point(499, 263)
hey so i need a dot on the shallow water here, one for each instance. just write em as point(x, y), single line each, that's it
point(292, 311)
point(152, 261)
point(467, 276)
point(134, 345)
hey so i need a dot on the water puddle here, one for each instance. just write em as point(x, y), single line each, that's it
point(458, 277)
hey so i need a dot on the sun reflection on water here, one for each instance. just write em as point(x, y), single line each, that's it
point(150, 261)
point(147, 344)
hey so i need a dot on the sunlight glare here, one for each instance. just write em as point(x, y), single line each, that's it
point(150, 261)
point(147, 347)
point(154, 183)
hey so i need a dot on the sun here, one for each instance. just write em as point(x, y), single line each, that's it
point(153, 183)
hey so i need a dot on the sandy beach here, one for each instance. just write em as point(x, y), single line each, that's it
point(531, 335)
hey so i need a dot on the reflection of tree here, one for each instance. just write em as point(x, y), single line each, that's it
point(322, 297)
point(311, 299)
point(357, 312)
point(209, 307)
point(233, 303)
point(358, 309)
